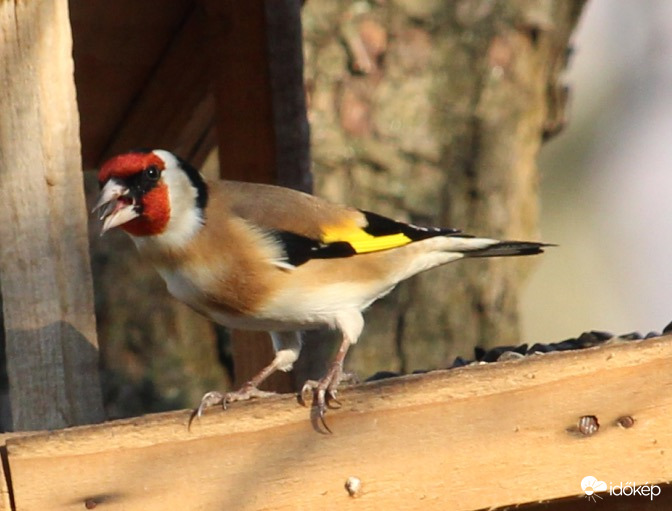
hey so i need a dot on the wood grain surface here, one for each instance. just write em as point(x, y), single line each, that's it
point(465, 439)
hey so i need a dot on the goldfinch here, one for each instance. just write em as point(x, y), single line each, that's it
point(262, 257)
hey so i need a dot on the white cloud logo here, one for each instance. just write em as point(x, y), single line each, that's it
point(590, 485)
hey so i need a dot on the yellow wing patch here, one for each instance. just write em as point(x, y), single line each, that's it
point(361, 241)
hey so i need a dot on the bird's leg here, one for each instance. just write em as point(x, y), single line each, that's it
point(287, 347)
point(350, 323)
point(324, 391)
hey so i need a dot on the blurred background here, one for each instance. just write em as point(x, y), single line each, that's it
point(606, 182)
point(426, 111)
point(404, 111)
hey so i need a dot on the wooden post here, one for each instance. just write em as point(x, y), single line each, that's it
point(288, 97)
point(244, 120)
point(45, 275)
point(261, 119)
point(292, 145)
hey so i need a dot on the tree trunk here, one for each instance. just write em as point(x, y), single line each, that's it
point(51, 345)
point(433, 112)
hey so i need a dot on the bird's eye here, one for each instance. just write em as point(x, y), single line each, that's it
point(152, 173)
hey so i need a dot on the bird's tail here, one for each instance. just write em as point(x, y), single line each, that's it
point(508, 248)
point(442, 249)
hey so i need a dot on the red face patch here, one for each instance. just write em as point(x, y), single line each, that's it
point(126, 165)
point(155, 213)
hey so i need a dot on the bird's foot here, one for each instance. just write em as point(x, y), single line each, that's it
point(214, 398)
point(324, 393)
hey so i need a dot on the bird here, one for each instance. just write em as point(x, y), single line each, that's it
point(267, 258)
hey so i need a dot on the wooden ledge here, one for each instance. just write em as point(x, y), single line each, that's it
point(469, 438)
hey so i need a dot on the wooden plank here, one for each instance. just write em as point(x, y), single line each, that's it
point(52, 353)
point(174, 110)
point(116, 52)
point(464, 439)
point(603, 503)
point(291, 131)
point(284, 43)
point(5, 496)
point(236, 36)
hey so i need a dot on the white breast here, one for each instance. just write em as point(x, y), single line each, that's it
point(295, 308)
point(181, 287)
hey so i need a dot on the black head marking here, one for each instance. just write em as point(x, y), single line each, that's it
point(197, 181)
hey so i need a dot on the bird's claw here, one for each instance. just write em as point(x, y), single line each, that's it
point(324, 393)
point(214, 398)
point(322, 397)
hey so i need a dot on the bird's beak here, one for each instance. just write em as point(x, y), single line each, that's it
point(116, 206)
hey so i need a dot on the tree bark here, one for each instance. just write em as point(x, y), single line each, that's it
point(51, 345)
point(433, 112)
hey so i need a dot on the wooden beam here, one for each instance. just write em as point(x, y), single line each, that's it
point(116, 54)
point(470, 438)
point(52, 352)
point(291, 132)
point(6, 503)
point(237, 38)
point(174, 110)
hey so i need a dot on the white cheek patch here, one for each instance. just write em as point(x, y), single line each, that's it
point(185, 218)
